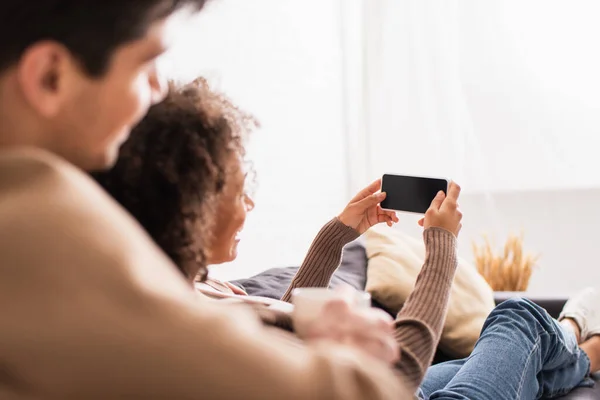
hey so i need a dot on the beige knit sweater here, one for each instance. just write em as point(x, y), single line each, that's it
point(91, 309)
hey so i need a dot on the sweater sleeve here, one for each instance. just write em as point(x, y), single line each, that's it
point(419, 323)
point(323, 257)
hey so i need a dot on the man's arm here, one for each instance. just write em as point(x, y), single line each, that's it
point(92, 309)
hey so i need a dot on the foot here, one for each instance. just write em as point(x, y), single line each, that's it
point(584, 310)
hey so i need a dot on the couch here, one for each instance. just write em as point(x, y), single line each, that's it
point(272, 283)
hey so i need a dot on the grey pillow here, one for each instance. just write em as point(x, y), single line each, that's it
point(273, 282)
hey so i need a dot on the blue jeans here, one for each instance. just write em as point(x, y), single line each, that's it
point(522, 353)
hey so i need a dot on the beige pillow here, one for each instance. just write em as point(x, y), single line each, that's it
point(395, 260)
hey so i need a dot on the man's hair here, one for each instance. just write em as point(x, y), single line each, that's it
point(174, 166)
point(90, 29)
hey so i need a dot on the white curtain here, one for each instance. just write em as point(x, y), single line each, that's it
point(503, 97)
point(500, 95)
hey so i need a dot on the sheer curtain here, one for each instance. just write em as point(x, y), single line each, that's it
point(503, 97)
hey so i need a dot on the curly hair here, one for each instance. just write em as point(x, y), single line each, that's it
point(173, 167)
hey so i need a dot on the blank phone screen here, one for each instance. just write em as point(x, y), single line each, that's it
point(410, 193)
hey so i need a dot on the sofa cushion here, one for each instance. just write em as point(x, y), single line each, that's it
point(395, 260)
point(585, 393)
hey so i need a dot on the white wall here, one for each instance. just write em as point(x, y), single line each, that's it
point(560, 226)
point(282, 61)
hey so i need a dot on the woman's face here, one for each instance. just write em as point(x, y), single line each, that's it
point(234, 203)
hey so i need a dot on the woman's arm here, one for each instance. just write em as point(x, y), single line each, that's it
point(323, 257)
point(419, 324)
point(325, 253)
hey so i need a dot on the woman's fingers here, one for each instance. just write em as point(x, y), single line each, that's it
point(444, 211)
point(393, 216)
point(369, 190)
point(387, 215)
point(387, 219)
point(368, 202)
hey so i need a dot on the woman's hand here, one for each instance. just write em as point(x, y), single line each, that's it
point(364, 211)
point(444, 211)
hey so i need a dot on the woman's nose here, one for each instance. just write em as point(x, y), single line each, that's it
point(249, 203)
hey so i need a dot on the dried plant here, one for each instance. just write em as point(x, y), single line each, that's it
point(509, 271)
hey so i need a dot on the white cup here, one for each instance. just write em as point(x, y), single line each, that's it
point(308, 304)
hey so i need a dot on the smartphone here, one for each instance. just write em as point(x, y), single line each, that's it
point(410, 193)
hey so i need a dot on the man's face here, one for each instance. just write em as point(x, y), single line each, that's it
point(100, 114)
point(82, 118)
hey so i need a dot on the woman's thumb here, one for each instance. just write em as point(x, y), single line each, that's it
point(436, 203)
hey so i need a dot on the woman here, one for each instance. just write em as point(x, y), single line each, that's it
point(182, 176)
point(188, 185)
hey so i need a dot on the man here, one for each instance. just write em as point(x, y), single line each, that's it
point(90, 308)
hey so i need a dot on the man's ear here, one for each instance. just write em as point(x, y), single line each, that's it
point(42, 75)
